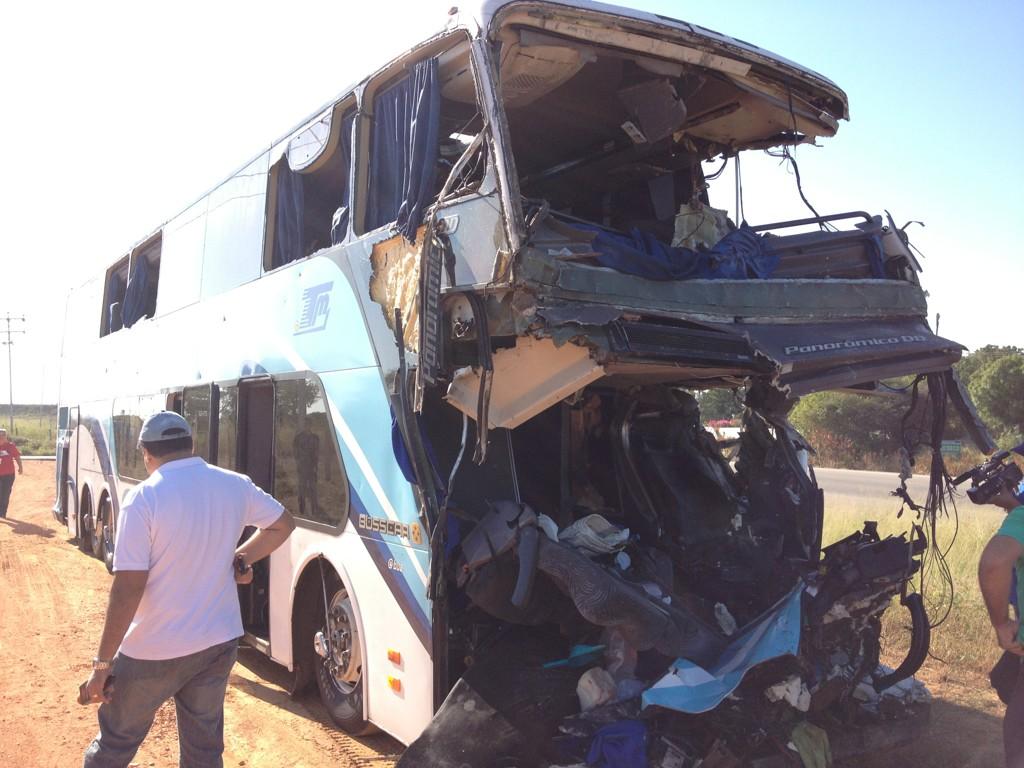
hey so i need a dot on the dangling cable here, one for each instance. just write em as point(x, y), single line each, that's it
point(737, 174)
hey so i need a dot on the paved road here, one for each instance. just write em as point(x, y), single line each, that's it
point(868, 485)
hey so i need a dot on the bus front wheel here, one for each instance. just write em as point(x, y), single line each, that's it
point(339, 664)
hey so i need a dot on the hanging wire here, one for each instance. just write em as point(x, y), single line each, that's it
point(786, 155)
point(923, 427)
point(720, 171)
point(740, 217)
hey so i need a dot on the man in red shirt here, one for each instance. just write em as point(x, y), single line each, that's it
point(9, 455)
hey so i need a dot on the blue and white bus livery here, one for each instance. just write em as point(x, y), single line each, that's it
point(458, 322)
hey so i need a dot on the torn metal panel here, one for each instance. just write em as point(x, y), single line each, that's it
point(813, 357)
point(777, 300)
point(395, 283)
point(752, 98)
point(476, 230)
point(485, 70)
point(528, 378)
point(578, 314)
point(961, 400)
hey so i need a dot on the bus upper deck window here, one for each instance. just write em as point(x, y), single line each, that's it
point(113, 297)
point(422, 123)
point(311, 186)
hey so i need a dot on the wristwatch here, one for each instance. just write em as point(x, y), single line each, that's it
point(101, 664)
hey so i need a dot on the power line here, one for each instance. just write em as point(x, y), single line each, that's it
point(8, 319)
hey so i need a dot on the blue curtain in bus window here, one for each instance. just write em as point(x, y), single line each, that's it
point(115, 303)
point(134, 308)
point(405, 144)
point(339, 222)
point(288, 222)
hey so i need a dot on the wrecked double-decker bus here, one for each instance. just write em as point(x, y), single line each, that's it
point(603, 577)
point(456, 321)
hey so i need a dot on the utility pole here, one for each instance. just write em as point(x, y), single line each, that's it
point(8, 319)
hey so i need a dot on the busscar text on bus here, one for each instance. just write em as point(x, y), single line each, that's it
point(458, 321)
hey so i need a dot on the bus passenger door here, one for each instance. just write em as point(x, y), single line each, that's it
point(256, 459)
point(64, 507)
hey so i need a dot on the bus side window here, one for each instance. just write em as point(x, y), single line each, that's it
point(422, 123)
point(113, 297)
point(197, 413)
point(227, 428)
point(308, 475)
point(173, 402)
point(127, 425)
point(310, 190)
point(140, 296)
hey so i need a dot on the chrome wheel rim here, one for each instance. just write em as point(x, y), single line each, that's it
point(344, 663)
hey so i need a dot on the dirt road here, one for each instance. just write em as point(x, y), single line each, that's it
point(52, 599)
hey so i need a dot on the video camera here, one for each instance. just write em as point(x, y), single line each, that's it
point(992, 476)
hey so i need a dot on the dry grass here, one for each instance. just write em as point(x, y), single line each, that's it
point(965, 639)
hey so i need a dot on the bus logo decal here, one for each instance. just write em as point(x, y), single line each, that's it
point(316, 305)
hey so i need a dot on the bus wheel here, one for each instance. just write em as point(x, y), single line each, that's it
point(85, 521)
point(339, 668)
point(96, 531)
point(106, 526)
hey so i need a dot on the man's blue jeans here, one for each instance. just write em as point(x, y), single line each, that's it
point(197, 682)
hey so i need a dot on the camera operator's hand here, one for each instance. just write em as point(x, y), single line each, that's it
point(1007, 634)
point(1005, 499)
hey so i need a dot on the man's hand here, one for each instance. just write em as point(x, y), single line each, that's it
point(1008, 640)
point(243, 572)
point(94, 693)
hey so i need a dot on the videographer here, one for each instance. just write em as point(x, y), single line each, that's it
point(1004, 553)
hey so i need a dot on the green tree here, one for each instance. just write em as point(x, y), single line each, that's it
point(719, 404)
point(997, 388)
point(866, 423)
point(974, 361)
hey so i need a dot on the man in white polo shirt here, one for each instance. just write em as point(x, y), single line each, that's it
point(173, 618)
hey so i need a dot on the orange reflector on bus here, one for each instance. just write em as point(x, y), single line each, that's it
point(395, 684)
point(395, 657)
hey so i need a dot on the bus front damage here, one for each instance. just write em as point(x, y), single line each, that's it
point(601, 573)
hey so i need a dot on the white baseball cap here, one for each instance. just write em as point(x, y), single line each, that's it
point(165, 425)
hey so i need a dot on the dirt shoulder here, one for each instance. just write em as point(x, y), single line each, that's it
point(52, 600)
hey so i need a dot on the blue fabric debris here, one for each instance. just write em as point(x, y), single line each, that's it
point(406, 126)
point(693, 689)
point(404, 461)
point(579, 656)
point(619, 745)
point(740, 255)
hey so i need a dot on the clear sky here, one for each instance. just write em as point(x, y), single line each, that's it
point(118, 115)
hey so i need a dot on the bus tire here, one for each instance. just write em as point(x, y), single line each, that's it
point(84, 523)
point(96, 530)
point(339, 678)
point(105, 523)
